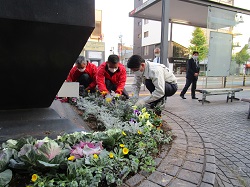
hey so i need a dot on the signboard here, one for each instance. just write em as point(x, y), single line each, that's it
point(220, 53)
point(69, 89)
point(219, 18)
point(94, 46)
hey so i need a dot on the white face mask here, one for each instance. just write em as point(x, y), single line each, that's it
point(195, 57)
point(138, 73)
point(81, 70)
point(157, 55)
point(113, 70)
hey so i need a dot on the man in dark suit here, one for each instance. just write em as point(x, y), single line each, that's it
point(193, 70)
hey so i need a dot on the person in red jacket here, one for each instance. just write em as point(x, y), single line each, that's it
point(84, 73)
point(111, 76)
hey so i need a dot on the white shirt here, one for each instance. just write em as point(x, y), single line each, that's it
point(159, 74)
point(157, 60)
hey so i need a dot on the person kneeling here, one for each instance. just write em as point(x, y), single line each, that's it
point(111, 76)
point(85, 73)
point(159, 80)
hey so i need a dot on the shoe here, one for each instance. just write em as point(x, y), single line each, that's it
point(194, 98)
point(182, 96)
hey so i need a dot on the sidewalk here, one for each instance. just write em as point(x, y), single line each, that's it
point(227, 127)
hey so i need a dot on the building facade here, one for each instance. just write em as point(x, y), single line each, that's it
point(94, 50)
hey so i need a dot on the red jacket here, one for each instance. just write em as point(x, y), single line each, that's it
point(118, 78)
point(91, 69)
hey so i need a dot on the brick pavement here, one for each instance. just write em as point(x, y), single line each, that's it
point(189, 162)
point(228, 128)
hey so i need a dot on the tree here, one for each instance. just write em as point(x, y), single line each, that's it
point(199, 43)
point(242, 56)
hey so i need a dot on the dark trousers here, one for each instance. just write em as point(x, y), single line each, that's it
point(193, 87)
point(112, 87)
point(170, 89)
point(85, 80)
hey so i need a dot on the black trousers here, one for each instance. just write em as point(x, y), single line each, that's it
point(85, 80)
point(170, 89)
point(112, 87)
point(193, 87)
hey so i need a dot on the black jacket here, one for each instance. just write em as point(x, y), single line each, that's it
point(192, 68)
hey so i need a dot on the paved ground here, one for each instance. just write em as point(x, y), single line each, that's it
point(228, 128)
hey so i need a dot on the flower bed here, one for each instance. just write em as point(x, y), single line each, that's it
point(129, 141)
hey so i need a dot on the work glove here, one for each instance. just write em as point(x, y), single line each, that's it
point(140, 102)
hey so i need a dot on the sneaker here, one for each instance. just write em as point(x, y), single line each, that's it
point(194, 98)
point(182, 96)
point(161, 104)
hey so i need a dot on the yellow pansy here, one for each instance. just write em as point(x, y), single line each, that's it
point(88, 91)
point(108, 100)
point(95, 156)
point(117, 95)
point(134, 107)
point(125, 150)
point(146, 115)
point(71, 158)
point(139, 132)
point(111, 155)
point(122, 145)
point(143, 110)
point(149, 124)
point(141, 117)
point(123, 133)
point(34, 177)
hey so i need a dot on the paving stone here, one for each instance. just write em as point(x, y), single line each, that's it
point(245, 160)
point(210, 159)
point(209, 151)
point(195, 158)
point(178, 153)
point(210, 167)
point(174, 126)
point(195, 144)
point(157, 161)
point(208, 145)
point(160, 178)
point(180, 141)
point(209, 178)
point(233, 159)
point(189, 176)
point(235, 182)
point(194, 139)
point(223, 177)
point(136, 179)
point(168, 169)
point(203, 184)
point(179, 146)
point(147, 183)
point(193, 166)
point(181, 183)
point(195, 150)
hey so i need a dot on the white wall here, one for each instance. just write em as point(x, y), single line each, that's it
point(154, 30)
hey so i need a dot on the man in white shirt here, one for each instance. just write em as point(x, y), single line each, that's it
point(157, 58)
point(157, 55)
point(159, 80)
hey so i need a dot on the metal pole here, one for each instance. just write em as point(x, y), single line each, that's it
point(244, 80)
point(164, 32)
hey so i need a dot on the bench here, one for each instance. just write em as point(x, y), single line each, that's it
point(230, 92)
point(247, 100)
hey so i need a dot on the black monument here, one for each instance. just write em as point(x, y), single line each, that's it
point(39, 43)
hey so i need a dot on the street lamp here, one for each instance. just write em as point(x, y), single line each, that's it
point(120, 37)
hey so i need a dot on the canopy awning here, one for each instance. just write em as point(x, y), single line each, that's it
point(189, 12)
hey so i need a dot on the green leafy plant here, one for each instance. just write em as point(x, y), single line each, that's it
point(128, 143)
